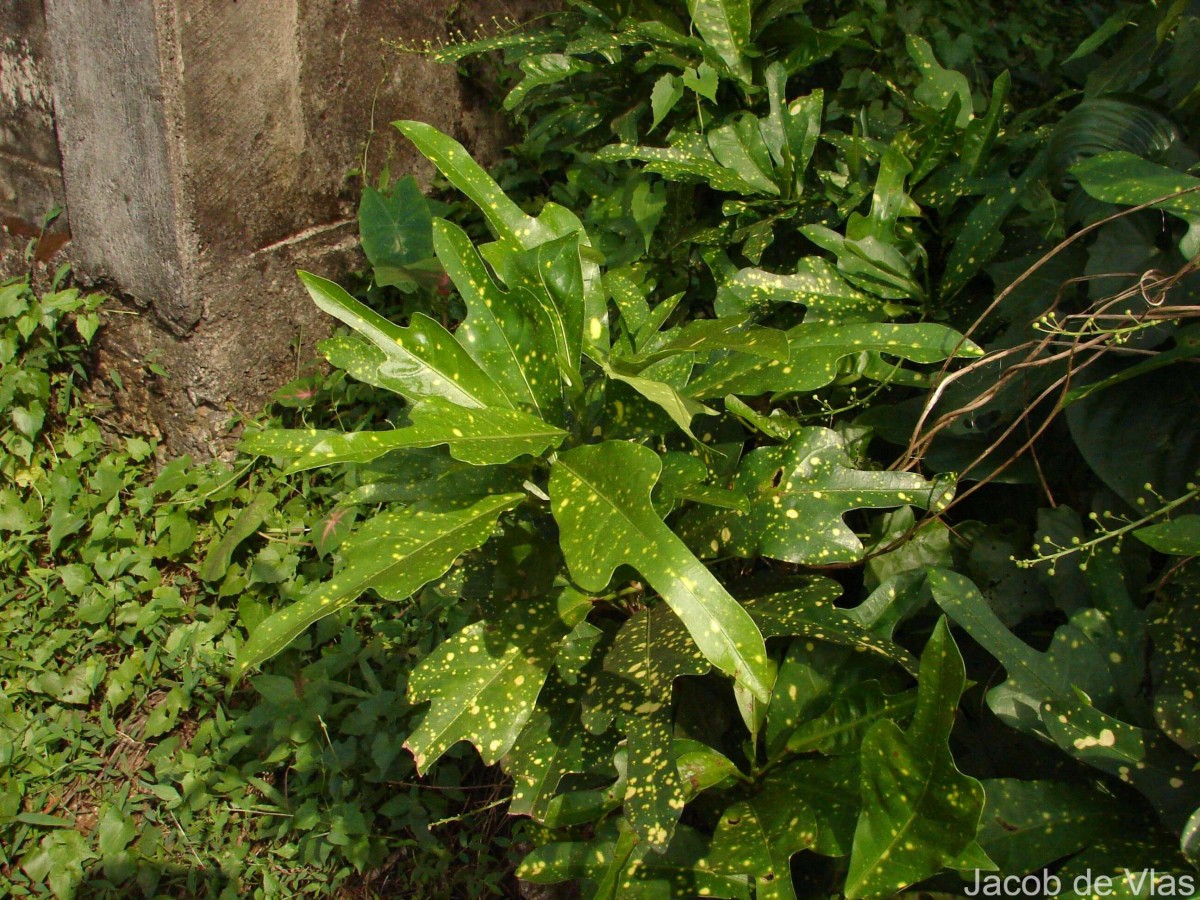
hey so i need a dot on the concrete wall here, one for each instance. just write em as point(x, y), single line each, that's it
point(205, 149)
point(30, 175)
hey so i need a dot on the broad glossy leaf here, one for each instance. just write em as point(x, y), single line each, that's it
point(798, 494)
point(919, 812)
point(483, 682)
point(725, 333)
point(480, 437)
point(678, 873)
point(651, 650)
point(1176, 663)
point(360, 360)
point(725, 26)
point(395, 227)
point(869, 263)
point(840, 729)
point(548, 68)
point(810, 612)
point(422, 360)
point(743, 151)
point(680, 164)
point(396, 553)
point(938, 85)
point(605, 489)
point(682, 409)
point(811, 675)
point(507, 219)
point(826, 295)
point(512, 335)
point(429, 474)
point(556, 274)
point(830, 788)
point(815, 352)
point(1178, 537)
point(700, 766)
point(1122, 178)
point(1029, 824)
point(1043, 695)
point(758, 837)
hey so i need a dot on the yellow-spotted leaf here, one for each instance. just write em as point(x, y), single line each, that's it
point(482, 683)
point(422, 360)
point(552, 745)
point(634, 688)
point(759, 837)
point(798, 493)
point(512, 335)
point(600, 495)
point(396, 553)
point(919, 812)
point(827, 297)
point(507, 219)
point(725, 26)
point(815, 352)
point(481, 437)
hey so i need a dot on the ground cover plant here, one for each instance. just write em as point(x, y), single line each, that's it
point(807, 433)
point(126, 581)
point(777, 478)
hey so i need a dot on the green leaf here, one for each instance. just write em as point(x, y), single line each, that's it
point(605, 489)
point(702, 80)
point(1095, 658)
point(842, 727)
point(759, 837)
point(552, 745)
point(666, 93)
point(548, 68)
point(422, 360)
point(480, 437)
point(1127, 180)
point(938, 85)
point(829, 789)
point(919, 812)
point(507, 219)
point(216, 562)
point(680, 164)
point(1178, 537)
point(511, 334)
point(395, 227)
point(681, 409)
point(395, 553)
point(798, 493)
point(1174, 665)
point(814, 354)
point(1028, 825)
point(725, 26)
point(827, 297)
point(482, 682)
point(650, 651)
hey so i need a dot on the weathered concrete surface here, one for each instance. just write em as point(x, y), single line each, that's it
point(30, 176)
point(206, 146)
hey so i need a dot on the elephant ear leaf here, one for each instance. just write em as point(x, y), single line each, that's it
point(919, 812)
point(604, 489)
